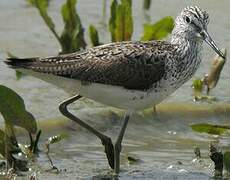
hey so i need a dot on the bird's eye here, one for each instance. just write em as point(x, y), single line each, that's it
point(187, 19)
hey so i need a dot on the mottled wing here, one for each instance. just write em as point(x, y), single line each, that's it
point(133, 65)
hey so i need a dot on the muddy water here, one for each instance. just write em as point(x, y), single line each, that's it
point(158, 141)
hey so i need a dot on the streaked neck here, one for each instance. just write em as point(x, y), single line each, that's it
point(189, 50)
point(186, 45)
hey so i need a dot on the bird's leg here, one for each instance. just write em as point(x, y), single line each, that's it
point(117, 146)
point(106, 141)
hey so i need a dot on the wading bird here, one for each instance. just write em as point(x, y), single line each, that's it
point(128, 75)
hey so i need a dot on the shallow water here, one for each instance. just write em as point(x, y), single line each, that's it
point(159, 142)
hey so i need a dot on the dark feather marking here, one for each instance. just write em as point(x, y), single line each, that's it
point(19, 63)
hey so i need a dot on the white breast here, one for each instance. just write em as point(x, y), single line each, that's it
point(115, 96)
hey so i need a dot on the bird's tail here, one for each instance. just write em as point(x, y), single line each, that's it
point(34, 67)
point(24, 63)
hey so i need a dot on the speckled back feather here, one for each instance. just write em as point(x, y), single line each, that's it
point(133, 65)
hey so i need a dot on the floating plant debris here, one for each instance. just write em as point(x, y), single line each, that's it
point(210, 80)
point(209, 128)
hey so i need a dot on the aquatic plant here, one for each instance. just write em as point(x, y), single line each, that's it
point(72, 36)
point(121, 20)
point(53, 140)
point(219, 158)
point(197, 86)
point(13, 111)
point(121, 25)
point(93, 34)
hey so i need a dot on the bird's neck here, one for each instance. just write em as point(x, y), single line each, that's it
point(189, 49)
point(185, 42)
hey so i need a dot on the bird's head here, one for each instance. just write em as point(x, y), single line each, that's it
point(192, 24)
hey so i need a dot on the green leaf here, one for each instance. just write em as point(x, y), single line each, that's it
point(19, 74)
point(121, 22)
point(159, 30)
point(112, 19)
point(197, 85)
point(72, 37)
point(209, 128)
point(124, 21)
point(93, 35)
point(13, 110)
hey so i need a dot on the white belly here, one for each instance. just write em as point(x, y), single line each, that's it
point(120, 97)
point(115, 96)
